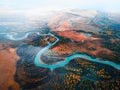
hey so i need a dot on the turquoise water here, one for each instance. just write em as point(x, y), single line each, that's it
point(87, 35)
point(12, 35)
point(68, 59)
point(38, 61)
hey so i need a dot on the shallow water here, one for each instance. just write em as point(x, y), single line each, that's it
point(38, 61)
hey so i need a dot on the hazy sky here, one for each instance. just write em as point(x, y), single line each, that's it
point(108, 5)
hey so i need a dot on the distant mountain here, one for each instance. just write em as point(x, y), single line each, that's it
point(63, 20)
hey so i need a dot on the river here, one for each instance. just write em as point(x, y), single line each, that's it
point(38, 62)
